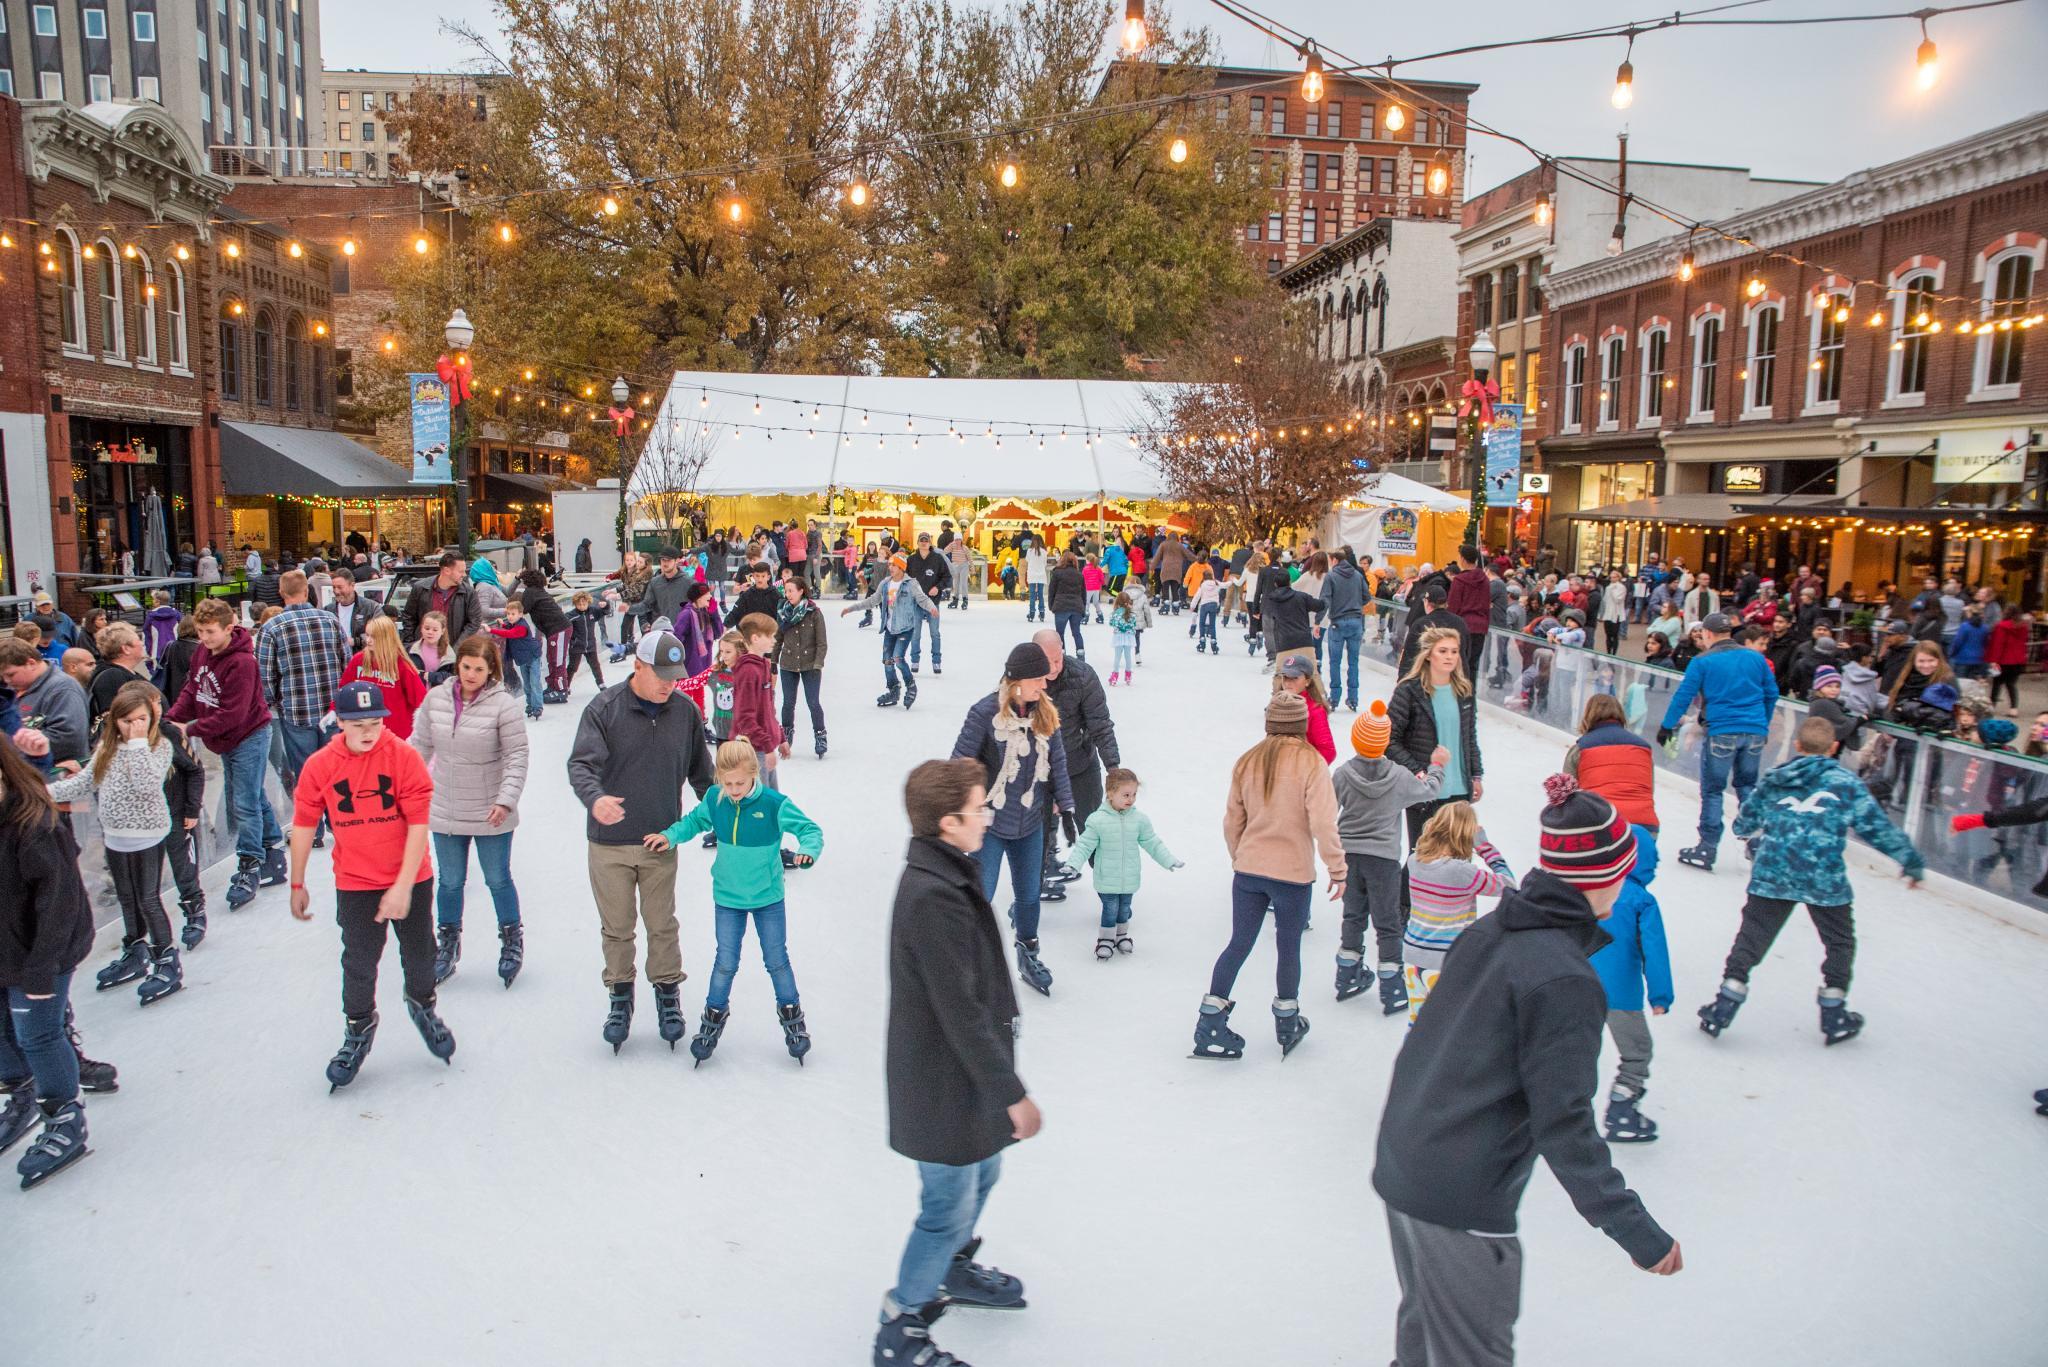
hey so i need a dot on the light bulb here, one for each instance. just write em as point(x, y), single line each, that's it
point(1754, 288)
point(857, 195)
point(610, 207)
point(129, 250)
point(1134, 25)
point(419, 245)
point(1543, 213)
point(1919, 320)
point(1439, 178)
point(1685, 266)
point(233, 249)
point(348, 248)
point(504, 232)
point(1178, 152)
point(293, 249)
point(1624, 85)
point(1842, 314)
point(735, 211)
point(1877, 320)
point(184, 254)
point(1009, 175)
point(1312, 79)
point(1927, 62)
point(1396, 118)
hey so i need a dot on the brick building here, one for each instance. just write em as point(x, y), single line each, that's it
point(1831, 396)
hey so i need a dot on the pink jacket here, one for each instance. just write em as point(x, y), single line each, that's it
point(1091, 576)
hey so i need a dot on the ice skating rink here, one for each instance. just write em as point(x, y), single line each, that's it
point(543, 1202)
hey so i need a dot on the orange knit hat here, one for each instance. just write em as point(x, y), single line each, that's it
point(1370, 733)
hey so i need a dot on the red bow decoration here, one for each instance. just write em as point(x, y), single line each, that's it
point(620, 417)
point(454, 374)
point(1484, 394)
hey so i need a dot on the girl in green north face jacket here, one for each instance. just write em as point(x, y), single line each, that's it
point(1113, 838)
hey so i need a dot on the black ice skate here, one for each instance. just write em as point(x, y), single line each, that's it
point(1213, 1036)
point(93, 1076)
point(195, 921)
point(909, 694)
point(511, 952)
point(1289, 1025)
point(19, 1114)
point(242, 884)
point(972, 1285)
point(1718, 1014)
point(668, 1011)
point(796, 1036)
point(889, 699)
point(1393, 993)
point(1699, 856)
point(132, 963)
point(165, 976)
point(1350, 974)
point(440, 1042)
point(905, 1339)
point(705, 1041)
point(273, 871)
point(447, 952)
point(820, 745)
point(61, 1143)
point(355, 1047)
point(2041, 1102)
point(1626, 1124)
point(618, 1021)
point(1032, 969)
point(1837, 1021)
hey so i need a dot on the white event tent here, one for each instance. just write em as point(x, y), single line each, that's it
point(805, 434)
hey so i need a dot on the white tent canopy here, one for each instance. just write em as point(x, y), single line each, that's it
point(1065, 439)
point(1387, 490)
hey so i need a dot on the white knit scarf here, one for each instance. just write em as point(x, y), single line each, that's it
point(1014, 733)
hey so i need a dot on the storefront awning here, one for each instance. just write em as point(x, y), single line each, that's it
point(1697, 510)
point(262, 460)
point(524, 487)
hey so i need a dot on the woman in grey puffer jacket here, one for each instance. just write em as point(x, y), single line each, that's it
point(472, 733)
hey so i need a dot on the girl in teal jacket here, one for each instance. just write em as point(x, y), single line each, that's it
point(1112, 839)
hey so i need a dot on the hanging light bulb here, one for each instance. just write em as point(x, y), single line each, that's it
point(1009, 175)
point(1755, 288)
point(1625, 78)
point(526, 375)
point(1178, 151)
point(1396, 118)
point(735, 211)
point(1438, 180)
point(1877, 319)
point(292, 249)
point(1134, 25)
point(1543, 212)
point(857, 194)
point(1685, 265)
point(184, 254)
point(610, 207)
point(1926, 61)
point(348, 248)
point(419, 245)
point(1312, 79)
point(233, 250)
point(504, 232)
point(129, 250)
point(1842, 313)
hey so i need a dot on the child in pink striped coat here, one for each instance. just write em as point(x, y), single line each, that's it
point(1454, 865)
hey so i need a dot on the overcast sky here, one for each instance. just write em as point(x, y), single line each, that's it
point(1812, 103)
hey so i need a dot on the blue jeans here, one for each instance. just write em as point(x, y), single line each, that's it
point(1034, 602)
point(1345, 636)
point(1116, 908)
point(532, 675)
point(256, 826)
point(451, 874)
point(1205, 621)
point(1120, 652)
point(770, 926)
point(1027, 854)
point(895, 658)
point(917, 630)
point(32, 1043)
point(1733, 757)
point(1250, 896)
point(950, 1201)
point(1063, 622)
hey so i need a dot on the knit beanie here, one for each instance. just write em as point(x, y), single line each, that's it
point(1286, 715)
point(1027, 661)
point(1585, 842)
point(1371, 732)
point(1825, 675)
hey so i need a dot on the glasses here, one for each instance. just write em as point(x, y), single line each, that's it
point(984, 814)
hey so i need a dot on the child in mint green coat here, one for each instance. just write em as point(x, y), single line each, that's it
point(1112, 839)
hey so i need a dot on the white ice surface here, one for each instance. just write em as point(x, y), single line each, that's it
point(544, 1202)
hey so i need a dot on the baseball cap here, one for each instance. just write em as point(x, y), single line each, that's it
point(359, 702)
point(664, 654)
point(1896, 628)
point(1720, 623)
point(1296, 667)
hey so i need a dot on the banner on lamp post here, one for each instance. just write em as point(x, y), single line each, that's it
point(430, 430)
point(1503, 438)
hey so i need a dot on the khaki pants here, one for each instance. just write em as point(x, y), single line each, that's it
point(620, 877)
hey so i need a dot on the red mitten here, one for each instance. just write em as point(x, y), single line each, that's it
point(1968, 821)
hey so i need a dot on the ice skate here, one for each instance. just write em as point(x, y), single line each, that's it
point(511, 952)
point(1032, 969)
point(1052, 890)
point(889, 699)
point(1718, 1014)
point(130, 964)
point(195, 921)
point(909, 695)
point(61, 1143)
point(1105, 945)
point(796, 1037)
point(1290, 1027)
point(1626, 1124)
point(165, 976)
point(440, 1041)
point(1837, 1021)
point(820, 745)
point(1351, 977)
point(447, 953)
point(355, 1047)
point(242, 885)
point(973, 1285)
point(1124, 943)
point(668, 1012)
point(706, 1039)
point(618, 1020)
point(905, 1340)
point(93, 1075)
point(19, 1114)
point(2041, 1102)
point(1065, 873)
point(1213, 1036)
point(1393, 993)
point(273, 871)
point(1698, 856)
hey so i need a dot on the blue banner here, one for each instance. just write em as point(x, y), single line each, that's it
point(430, 462)
point(1504, 454)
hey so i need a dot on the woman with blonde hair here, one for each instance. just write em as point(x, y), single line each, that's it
point(1015, 734)
point(1434, 705)
point(383, 662)
point(1282, 812)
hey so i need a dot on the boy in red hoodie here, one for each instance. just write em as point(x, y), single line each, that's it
point(374, 791)
point(222, 706)
point(753, 694)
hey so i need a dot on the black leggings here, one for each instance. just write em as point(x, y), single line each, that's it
point(579, 658)
point(1250, 898)
point(1613, 631)
point(362, 946)
point(811, 678)
point(1764, 917)
point(138, 885)
point(2009, 680)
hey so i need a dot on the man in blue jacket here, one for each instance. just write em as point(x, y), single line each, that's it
point(1737, 692)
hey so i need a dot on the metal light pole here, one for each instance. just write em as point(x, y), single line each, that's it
point(459, 333)
point(1483, 356)
point(620, 392)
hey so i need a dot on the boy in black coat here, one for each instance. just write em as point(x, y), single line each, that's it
point(955, 1100)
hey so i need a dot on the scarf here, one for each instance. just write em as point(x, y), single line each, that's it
point(790, 614)
point(1013, 732)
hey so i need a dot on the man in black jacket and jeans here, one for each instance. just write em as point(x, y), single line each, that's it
point(1499, 1068)
point(955, 1100)
point(1090, 737)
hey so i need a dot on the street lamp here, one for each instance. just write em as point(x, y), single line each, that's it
point(1483, 356)
point(620, 390)
point(459, 332)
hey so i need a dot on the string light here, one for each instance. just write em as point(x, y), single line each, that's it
point(419, 245)
point(1877, 319)
point(233, 250)
point(319, 329)
point(1755, 288)
point(1926, 61)
point(1625, 77)
point(504, 232)
point(735, 210)
point(294, 250)
point(610, 207)
point(1312, 79)
point(1543, 212)
point(1009, 175)
point(1396, 118)
point(390, 345)
point(1134, 25)
point(129, 251)
point(348, 248)
point(1178, 152)
point(1685, 265)
point(857, 194)
point(1439, 178)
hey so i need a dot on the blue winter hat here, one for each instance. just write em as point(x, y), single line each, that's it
point(1997, 731)
point(1942, 697)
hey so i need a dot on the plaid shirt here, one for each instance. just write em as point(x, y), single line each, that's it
point(300, 654)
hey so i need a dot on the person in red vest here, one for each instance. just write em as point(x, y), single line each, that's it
point(1615, 762)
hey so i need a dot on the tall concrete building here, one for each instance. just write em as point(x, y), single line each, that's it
point(350, 129)
point(234, 74)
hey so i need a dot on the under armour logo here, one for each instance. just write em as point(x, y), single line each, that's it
point(382, 793)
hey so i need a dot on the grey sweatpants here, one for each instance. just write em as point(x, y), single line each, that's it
point(1372, 896)
point(1460, 1295)
point(1631, 1033)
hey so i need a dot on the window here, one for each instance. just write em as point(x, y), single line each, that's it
point(1272, 265)
point(70, 291)
point(260, 361)
point(294, 360)
point(149, 88)
point(390, 100)
point(1913, 311)
point(1508, 377)
point(1276, 116)
point(341, 99)
point(145, 26)
point(1763, 362)
point(2001, 345)
point(46, 21)
point(1656, 343)
point(321, 402)
point(6, 81)
point(174, 315)
point(1574, 387)
point(1830, 333)
point(1535, 286)
point(347, 131)
point(370, 162)
point(100, 88)
point(205, 48)
point(1387, 176)
point(348, 161)
point(1275, 230)
point(1706, 363)
point(369, 131)
point(1311, 172)
point(1254, 232)
point(113, 329)
point(1531, 388)
point(1308, 224)
point(1418, 180)
point(369, 100)
point(142, 300)
point(1312, 122)
point(1333, 171)
point(1612, 354)
point(1482, 306)
point(1422, 125)
point(50, 85)
point(230, 353)
point(1367, 116)
point(1510, 293)
point(96, 23)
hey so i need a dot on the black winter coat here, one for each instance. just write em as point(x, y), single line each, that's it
point(1284, 612)
point(1065, 591)
point(548, 617)
point(952, 1014)
point(1411, 642)
point(1411, 721)
point(177, 665)
point(2025, 814)
point(1500, 1067)
point(1085, 723)
point(45, 919)
point(185, 785)
point(751, 600)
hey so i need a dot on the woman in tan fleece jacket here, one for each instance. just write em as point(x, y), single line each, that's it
point(1282, 811)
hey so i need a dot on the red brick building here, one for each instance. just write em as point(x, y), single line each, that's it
point(1872, 360)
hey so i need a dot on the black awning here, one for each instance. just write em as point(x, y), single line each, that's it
point(263, 460)
point(522, 487)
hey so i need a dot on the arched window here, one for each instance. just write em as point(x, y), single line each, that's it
point(1613, 352)
point(70, 292)
point(294, 362)
point(1574, 387)
point(1830, 349)
point(1706, 362)
point(1656, 347)
point(174, 315)
point(263, 360)
point(230, 351)
point(2001, 343)
point(142, 298)
point(1761, 371)
point(1379, 301)
point(322, 401)
point(113, 327)
point(1912, 317)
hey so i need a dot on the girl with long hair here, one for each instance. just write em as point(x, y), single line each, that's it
point(1282, 812)
point(1453, 867)
point(432, 654)
point(383, 662)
